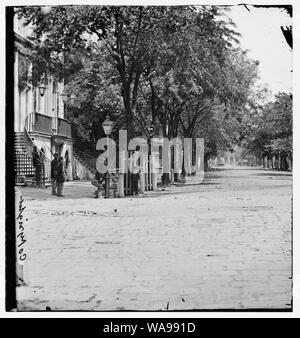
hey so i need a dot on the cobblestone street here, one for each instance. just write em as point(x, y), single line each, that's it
point(222, 244)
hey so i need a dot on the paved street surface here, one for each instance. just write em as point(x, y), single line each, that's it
point(222, 244)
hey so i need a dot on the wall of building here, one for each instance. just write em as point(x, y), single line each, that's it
point(27, 101)
point(21, 29)
point(68, 149)
point(43, 144)
point(27, 98)
point(23, 97)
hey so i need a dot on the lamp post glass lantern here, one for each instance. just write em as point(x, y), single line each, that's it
point(67, 100)
point(42, 85)
point(107, 127)
point(42, 88)
point(64, 96)
point(72, 99)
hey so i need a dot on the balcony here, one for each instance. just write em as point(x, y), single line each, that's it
point(40, 123)
point(64, 128)
point(36, 122)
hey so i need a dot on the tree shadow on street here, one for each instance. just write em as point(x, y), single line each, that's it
point(274, 173)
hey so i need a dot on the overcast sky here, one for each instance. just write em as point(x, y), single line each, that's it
point(261, 34)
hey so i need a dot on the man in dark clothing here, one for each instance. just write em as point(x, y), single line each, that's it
point(60, 176)
point(98, 182)
point(54, 163)
point(37, 163)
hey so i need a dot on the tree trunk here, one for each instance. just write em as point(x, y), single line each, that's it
point(128, 113)
point(165, 179)
point(165, 176)
point(268, 162)
point(284, 162)
point(206, 166)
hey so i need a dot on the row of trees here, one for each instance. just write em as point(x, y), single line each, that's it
point(180, 68)
point(269, 130)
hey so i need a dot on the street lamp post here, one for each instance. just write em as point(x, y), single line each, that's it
point(107, 127)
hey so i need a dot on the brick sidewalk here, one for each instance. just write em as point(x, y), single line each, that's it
point(220, 245)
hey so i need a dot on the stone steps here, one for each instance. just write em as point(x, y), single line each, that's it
point(83, 162)
point(23, 162)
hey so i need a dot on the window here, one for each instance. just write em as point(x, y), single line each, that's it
point(22, 71)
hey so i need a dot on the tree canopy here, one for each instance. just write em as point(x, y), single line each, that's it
point(269, 129)
point(179, 67)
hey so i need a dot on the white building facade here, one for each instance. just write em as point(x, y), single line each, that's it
point(39, 115)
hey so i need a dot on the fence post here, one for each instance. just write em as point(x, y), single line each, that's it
point(147, 173)
point(122, 166)
point(121, 185)
point(172, 175)
point(142, 181)
point(154, 181)
point(143, 173)
point(153, 173)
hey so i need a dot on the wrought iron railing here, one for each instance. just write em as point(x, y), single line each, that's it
point(24, 168)
point(29, 122)
point(89, 160)
point(47, 124)
point(22, 165)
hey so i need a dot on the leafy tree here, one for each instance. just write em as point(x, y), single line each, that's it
point(126, 32)
point(97, 95)
point(136, 40)
point(176, 66)
point(270, 131)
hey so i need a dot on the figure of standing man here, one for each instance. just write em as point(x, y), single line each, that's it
point(37, 163)
point(60, 178)
point(54, 163)
point(135, 170)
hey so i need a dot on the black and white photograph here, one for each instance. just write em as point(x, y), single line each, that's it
point(149, 157)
